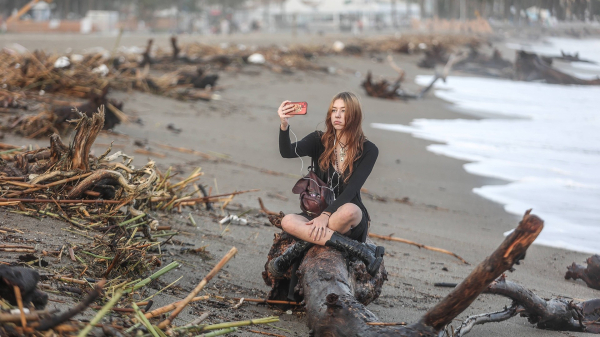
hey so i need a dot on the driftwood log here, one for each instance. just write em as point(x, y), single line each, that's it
point(531, 67)
point(328, 284)
point(589, 275)
point(383, 89)
point(560, 314)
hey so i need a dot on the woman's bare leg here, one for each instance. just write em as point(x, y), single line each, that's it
point(346, 217)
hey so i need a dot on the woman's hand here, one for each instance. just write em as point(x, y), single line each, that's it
point(283, 110)
point(319, 227)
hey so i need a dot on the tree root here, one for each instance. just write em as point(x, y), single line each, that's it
point(589, 275)
point(117, 177)
point(559, 314)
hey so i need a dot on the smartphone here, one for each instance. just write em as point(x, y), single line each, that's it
point(301, 108)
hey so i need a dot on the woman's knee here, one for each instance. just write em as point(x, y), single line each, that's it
point(286, 222)
point(350, 213)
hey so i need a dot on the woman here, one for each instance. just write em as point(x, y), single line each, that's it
point(343, 159)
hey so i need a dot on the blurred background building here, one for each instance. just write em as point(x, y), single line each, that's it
point(311, 16)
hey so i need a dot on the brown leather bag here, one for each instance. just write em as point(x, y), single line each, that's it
point(315, 195)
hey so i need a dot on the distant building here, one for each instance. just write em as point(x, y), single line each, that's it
point(332, 15)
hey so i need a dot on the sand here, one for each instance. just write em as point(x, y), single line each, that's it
point(243, 126)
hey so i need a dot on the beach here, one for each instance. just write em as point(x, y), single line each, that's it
point(442, 209)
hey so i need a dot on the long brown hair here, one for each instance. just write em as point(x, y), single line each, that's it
point(353, 132)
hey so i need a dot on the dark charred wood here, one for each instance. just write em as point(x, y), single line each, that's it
point(199, 79)
point(485, 65)
point(437, 54)
point(26, 279)
point(381, 89)
point(98, 178)
point(176, 49)
point(559, 314)
point(66, 113)
point(531, 67)
point(571, 58)
point(590, 275)
point(279, 286)
point(50, 322)
point(146, 58)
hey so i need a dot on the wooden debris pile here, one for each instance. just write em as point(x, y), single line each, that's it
point(527, 67)
point(110, 205)
point(22, 306)
point(532, 67)
point(229, 57)
point(50, 86)
point(285, 59)
point(66, 182)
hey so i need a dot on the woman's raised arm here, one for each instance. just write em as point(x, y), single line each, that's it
point(308, 146)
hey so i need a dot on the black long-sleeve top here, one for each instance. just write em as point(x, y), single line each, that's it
point(312, 146)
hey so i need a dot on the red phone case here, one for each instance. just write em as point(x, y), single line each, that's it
point(301, 108)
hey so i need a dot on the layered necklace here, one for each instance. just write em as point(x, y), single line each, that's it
point(342, 155)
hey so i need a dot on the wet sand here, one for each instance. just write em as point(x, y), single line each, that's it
point(445, 213)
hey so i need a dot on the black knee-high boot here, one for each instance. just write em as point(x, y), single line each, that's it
point(361, 251)
point(279, 265)
point(379, 251)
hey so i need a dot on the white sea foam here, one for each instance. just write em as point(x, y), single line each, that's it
point(550, 154)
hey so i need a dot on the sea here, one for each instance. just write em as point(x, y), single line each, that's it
point(542, 139)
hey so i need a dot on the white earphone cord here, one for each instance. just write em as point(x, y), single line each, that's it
point(302, 167)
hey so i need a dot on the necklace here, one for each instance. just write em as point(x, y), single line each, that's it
point(342, 154)
point(342, 151)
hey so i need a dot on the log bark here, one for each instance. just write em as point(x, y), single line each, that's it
point(531, 67)
point(335, 306)
point(590, 275)
point(559, 314)
point(510, 252)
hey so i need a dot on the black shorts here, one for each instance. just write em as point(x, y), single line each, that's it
point(358, 232)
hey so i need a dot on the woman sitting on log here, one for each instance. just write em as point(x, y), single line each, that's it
point(343, 159)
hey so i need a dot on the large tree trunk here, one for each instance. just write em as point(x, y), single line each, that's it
point(334, 289)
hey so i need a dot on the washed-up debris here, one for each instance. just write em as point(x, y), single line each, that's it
point(18, 289)
point(527, 67)
point(560, 314)
point(384, 89)
point(566, 57)
point(66, 182)
point(590, 274)
point(532, 67)
point(234, 220)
